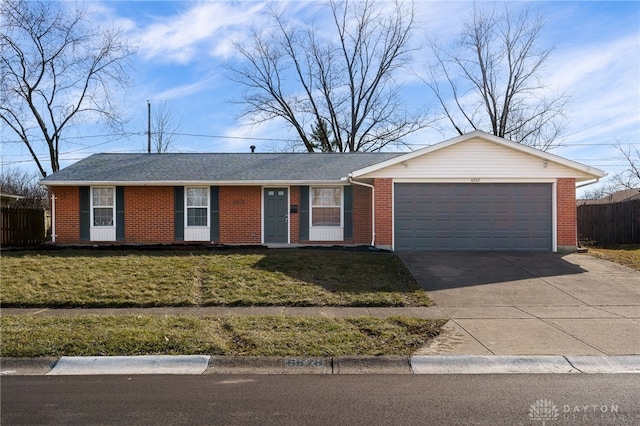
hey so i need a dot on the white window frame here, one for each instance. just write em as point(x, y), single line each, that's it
point(102, 232)
point(311, 206)
point(112, 207)
point(326, 232)
point(197, 232)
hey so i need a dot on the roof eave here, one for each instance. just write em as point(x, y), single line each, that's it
point(14, 197)
point(196, 183)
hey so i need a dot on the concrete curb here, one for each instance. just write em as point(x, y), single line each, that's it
point(431, 364)
point(269, 365)
point(606, 364)
point(490, 364)
point(145, 364)
point(26, 366)
point(372, 365)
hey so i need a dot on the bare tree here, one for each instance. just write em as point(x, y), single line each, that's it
point(341, 75)
point(629, 178)
point(20, 182)
point(491, 79)
point(56, 68)
point(598, 192)
point(164, 127)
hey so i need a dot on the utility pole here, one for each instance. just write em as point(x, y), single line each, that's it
point(148, 127)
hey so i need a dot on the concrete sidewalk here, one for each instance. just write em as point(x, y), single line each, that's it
point(530, 303)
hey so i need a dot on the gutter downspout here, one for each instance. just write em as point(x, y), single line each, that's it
point(53, 217)
point(373, 207)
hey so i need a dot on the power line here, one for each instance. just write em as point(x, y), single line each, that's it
point(635, 108)
point(195, 135)
point(250, 138)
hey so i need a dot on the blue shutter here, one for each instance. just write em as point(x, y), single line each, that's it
point(214, 222)
point(348, 212)
point(119, 213)
point(179, 213)
point(85, 213)
point(304, 213)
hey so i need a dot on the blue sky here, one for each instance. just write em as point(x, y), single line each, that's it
point(183, 45)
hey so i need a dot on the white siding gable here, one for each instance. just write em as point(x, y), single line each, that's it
point(477, 158)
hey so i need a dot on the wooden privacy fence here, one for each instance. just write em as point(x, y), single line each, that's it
point(615, 223)
point(22, 227)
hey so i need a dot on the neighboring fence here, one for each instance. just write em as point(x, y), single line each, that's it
point(22, 227)
point(615, 223)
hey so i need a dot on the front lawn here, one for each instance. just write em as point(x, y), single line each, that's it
point(28, 336)
point(242, 277)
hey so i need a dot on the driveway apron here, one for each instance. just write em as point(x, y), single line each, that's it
point(530, 303)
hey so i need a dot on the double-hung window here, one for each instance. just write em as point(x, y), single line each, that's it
point(326, 206)
point(197, 207)
point(103, 213)
point(103, 202)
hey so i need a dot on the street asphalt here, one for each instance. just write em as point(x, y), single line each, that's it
point(509, 313)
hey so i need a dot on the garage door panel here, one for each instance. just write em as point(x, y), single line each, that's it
point(472, 216)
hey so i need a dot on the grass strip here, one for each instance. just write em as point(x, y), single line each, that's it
point(28, 336)
point(110, 278)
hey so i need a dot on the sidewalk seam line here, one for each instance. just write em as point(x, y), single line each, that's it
point(575, 337)
point(557, 327)
point(472, 336)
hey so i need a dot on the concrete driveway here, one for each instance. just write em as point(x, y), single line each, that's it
point(530, 303)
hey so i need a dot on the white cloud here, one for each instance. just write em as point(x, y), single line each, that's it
point(184, 90)
point(203, 27)
point(103, 15)
point(604, 81)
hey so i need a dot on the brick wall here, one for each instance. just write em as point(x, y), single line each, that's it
point(294, 218)
point(384, 209)
point(361, 215)
point(566, 221)
point(240, 215)
point(67, 214)
point(149, 214)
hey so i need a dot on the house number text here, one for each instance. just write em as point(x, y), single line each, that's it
point(304, 362)
point(475, 180)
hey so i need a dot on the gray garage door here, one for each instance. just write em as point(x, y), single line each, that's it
point(481, 216)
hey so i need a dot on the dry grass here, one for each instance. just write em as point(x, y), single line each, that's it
point(99, 278)
point(27, 336)
point(624, 255)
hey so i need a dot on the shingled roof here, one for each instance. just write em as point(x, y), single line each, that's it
point(214, 168)
point(616, 197)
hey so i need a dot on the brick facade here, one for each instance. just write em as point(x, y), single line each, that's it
point(384, 212)
point(67, 214)
point(567, 235)
point(240, 215)
point(361, 215)
point(294, 218)
point(149, 215)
